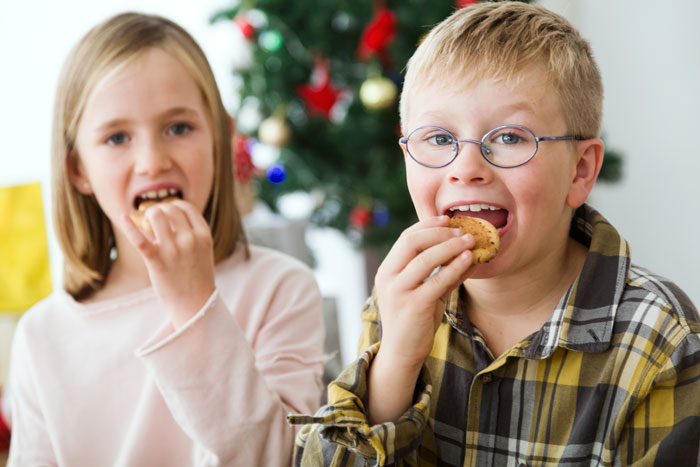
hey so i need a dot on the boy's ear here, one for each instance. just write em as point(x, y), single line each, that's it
point(76, 175)
point(589, 160)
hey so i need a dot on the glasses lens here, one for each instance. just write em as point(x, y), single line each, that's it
point(431, 146)
point(509, 146)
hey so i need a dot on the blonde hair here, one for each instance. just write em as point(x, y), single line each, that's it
point(83, 230)
point(500, 40)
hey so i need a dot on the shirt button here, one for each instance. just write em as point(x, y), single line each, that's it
point(486, 378)
point(522, 464)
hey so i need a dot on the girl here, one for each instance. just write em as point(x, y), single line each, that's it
point(176, 346)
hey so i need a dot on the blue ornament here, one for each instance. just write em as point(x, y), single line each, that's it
point(381, 216)
point(276, 173)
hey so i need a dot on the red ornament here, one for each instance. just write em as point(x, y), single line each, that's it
point(243, 167)
point(320, 95)
point(360, 217)
point(247, 29)
point(463, 3)
point(377, 35)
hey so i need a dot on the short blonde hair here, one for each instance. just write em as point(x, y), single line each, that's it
point(500, 40)
point(83, 230)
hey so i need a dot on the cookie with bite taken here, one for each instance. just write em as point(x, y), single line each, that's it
point(486, 239)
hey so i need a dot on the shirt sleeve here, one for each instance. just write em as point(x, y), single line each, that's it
point(30, 442)
point(664, 428)
point(339, 434)
point(229, 404)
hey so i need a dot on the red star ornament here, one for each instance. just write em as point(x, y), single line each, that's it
point(463, 3)
point(320, 95)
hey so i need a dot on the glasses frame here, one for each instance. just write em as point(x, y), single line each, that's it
point(455, 147)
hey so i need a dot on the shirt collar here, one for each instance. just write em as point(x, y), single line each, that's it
point(583, 319)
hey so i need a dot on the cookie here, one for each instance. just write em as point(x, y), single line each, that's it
point(139, 215)
point(486, 239)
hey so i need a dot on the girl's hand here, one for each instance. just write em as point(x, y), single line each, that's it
point(179, 257)
point(411, 301)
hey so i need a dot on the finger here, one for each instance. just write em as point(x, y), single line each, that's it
point(411, 243)
point(422, 265)
point(194, 217)
point(136, 236)
point(450, 276)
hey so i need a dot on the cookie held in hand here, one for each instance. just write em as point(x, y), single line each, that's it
point(139, 215)
point(486, 239)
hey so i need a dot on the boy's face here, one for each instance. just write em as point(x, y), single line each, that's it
point(533, 213)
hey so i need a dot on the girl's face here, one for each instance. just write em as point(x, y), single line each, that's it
point(145, 132)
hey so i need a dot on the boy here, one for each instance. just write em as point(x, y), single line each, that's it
point(558, 351)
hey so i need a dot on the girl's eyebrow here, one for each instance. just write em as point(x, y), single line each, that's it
point(175, 111)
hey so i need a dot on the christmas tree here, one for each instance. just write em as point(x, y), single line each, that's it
point(324, 81)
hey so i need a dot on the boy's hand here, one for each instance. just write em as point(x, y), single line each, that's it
point(179, 257)
point(411, 303)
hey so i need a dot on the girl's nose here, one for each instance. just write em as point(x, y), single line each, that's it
point(470, 167)
point(152, 157)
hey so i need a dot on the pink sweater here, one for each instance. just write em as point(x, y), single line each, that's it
point(112, 383)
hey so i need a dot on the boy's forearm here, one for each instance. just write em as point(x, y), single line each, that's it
point(390, 388)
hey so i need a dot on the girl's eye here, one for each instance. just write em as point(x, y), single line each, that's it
point(179, 129)
point(116, 139)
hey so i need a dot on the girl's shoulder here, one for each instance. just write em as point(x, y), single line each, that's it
point(263, 260)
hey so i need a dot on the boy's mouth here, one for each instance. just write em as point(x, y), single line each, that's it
point(157, 195)
point(495, 215)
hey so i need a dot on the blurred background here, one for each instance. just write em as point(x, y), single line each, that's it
point(313, 86)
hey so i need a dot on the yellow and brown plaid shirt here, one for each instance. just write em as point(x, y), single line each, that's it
point(613, 378)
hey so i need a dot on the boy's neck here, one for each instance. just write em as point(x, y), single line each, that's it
point(508, 308)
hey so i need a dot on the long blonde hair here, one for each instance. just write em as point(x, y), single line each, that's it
point(83, 230)
point(500, 40)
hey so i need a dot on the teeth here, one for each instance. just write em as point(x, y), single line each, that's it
point(172, 191)
point(474, 207)
point(159, 194)
point(163, 192)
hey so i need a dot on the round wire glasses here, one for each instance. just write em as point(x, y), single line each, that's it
point(505, 146)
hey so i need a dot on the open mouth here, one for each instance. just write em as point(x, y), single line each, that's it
point(156, 196)
point(495, 215)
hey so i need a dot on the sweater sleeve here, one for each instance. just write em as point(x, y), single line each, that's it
point(231, 394)
point(30, 442)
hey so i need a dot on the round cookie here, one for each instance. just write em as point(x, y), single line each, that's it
point(139, 217)
point(486, 239)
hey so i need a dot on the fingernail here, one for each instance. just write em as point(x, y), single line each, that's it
point(467, 237)
point(457, 232)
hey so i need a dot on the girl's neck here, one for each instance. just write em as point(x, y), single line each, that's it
point(508, 309)
point(127, 274)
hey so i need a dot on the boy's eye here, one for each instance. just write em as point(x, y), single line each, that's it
point(179, 129)
point(116, 139)
point(441, 140)
point(508, 138)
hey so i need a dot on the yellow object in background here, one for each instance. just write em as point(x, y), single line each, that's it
point(25, 273)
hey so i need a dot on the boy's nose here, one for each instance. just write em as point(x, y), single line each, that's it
point(152, 157)
point(470, 166)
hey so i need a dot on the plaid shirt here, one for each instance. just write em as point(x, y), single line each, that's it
point(612, 378)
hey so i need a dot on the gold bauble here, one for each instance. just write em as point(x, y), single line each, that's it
point(274, 131)
point(378, 93)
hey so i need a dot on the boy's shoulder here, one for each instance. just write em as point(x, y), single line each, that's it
point(649, 299)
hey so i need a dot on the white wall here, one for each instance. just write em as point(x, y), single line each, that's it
point(647, 52)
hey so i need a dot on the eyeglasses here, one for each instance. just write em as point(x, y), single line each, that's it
point(504, 146)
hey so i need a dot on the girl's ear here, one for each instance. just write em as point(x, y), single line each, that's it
point(589, 160)
point(76, 175)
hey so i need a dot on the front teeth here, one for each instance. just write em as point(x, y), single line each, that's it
point(474, 207)
point(159, 194)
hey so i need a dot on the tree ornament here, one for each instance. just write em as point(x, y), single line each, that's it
point(360, 217)
point(378, 93)
point(276, 173)
point(380, 215)
point(320, 95)
point(247, 29)
point(462, 3)
point(377, 35)
point(243, 167)
point(275, 131)
point(270, 40)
